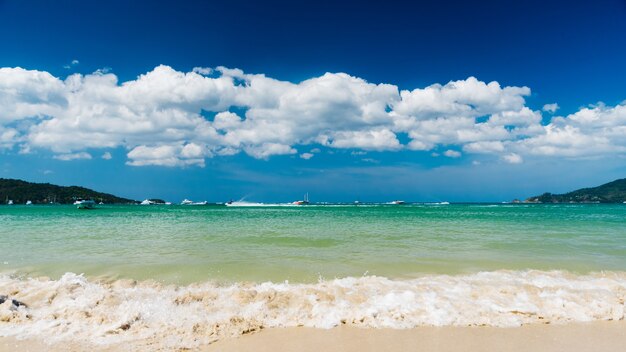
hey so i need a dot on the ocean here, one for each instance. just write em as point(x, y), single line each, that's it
point(188, 275)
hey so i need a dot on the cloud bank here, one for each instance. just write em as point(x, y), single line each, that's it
point(171, 118)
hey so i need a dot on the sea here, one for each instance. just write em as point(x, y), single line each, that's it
point(184, 276)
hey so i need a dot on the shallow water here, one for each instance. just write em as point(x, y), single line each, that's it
point(182, 244)
point(209, 272)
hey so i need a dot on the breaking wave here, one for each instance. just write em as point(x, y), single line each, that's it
point(74, 308)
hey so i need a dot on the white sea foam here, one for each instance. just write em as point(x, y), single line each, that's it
point(76, 309)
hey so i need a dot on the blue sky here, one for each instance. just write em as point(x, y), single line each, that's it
point(565, 53)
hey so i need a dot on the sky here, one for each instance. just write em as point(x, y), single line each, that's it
point(346, 100)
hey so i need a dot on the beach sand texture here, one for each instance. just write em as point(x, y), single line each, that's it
point(575, 337)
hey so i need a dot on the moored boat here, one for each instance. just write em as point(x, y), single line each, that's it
point(302, 202)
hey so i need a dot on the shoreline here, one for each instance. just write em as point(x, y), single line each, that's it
point(572, 337)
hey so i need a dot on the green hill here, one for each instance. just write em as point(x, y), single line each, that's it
point(612, 192)
point(42, 193)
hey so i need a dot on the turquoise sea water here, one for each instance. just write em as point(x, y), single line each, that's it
point(179, 277)
point(185, 244)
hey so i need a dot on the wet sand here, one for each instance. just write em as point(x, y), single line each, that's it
point(577, 337)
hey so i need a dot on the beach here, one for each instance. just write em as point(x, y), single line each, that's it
point(580, 337)
point(211, 278)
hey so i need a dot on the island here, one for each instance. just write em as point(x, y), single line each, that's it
point(19, 192)
point(612, 192)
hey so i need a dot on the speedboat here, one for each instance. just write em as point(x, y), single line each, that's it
point(10, 202)
point(242, 203)
point(397, 202)
point(85, 204)
point(147, 202)
point(28, 202)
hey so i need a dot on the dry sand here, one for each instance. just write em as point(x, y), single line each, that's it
point(579, 337)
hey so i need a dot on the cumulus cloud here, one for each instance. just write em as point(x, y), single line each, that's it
point(107, 156)
point(551, 108)
point(167, 155)
point(73, 63)
point(306, 156)
point(170, 118)
point(203, 70)
point(513, 158)
point(73, 156)
point(452, 153)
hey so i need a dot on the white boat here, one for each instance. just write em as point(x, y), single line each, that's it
point(188, 202)
point(147, 202)
point(397, 202)
point(28, 202)
point(85, 204)
point(242, 203)
point(10, 202)
point(302, 202)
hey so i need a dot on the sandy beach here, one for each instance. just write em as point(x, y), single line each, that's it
point(576, 337)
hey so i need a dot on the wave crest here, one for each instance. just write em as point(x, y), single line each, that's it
point(74, 308)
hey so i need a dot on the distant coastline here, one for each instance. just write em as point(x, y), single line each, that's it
point(612, 192)
point(19, 192)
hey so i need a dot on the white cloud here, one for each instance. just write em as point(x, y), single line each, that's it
point(484, 147)
point(266, 150)
point(73, 63)
point(106, 156)
point(306, 156)
point(370, 160)
point(452, 153)
point(202, 70)
point(513, 158)
point(551, 108)
point(166, 155)
point(163, 117)
point(72, 156)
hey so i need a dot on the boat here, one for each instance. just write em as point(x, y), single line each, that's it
point(9, 202)
point(242, 203)
point(188, 202)
point(28, 202)
point(85, 204)
point(397, 202)
point(147, 202)
point(302, 202)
